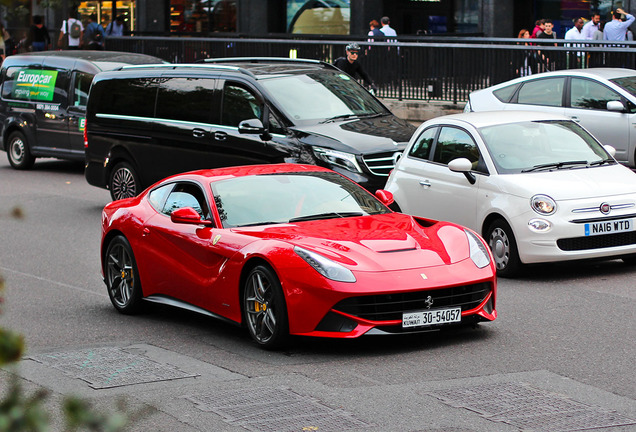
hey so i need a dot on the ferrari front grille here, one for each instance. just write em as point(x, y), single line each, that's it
point(386, 307)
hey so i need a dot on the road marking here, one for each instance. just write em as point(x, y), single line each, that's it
point(5, 269)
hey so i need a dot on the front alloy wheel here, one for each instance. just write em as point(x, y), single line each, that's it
point(122, 279)
point(264, 306)
point(504, 248)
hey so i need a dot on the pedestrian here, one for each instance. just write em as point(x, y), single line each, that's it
point(539, 26)
point(117, 27)
point(616, 29)
point(386, 28)
point(72, 32)
point(529, 56)
point(591, 27)
point(352, 66)
point(39, 38)
point(575, 32)
point(94, 34)
point(6, 43)
point(375, 31)
point(547, 32)
point(598, 34)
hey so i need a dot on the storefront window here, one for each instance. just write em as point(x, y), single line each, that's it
point(106, 13)
point(318, 16)
point(203, 16)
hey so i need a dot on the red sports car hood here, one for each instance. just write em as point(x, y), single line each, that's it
point(374, 243)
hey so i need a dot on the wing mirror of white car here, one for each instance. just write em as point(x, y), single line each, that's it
point(611, 150)
point(616, 106)
point(463, 165)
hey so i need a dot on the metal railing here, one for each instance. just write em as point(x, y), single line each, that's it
point(441, 69)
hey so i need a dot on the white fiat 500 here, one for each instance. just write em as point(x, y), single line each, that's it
point(539, 188)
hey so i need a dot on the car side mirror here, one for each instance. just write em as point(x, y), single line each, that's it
point(252, 126)
point(465, 166)
point(615, 106)
point(610, 149)
point(188, 215)
point(384, 196)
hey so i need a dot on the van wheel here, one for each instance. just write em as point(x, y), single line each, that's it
point(123, 182)
point(18, 152)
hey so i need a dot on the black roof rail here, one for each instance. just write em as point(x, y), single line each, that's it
point(265, 60)
point(175, 66)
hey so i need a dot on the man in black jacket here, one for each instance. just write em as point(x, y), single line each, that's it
point(352, 66)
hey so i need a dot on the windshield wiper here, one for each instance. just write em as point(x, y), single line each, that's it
point(330, 215)
point(603, 161)
point(557, 165)
point(260, 223)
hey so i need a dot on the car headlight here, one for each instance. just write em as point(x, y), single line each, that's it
point(341, 159)
point(326, 267)
point(478, 252)
point(543, 204)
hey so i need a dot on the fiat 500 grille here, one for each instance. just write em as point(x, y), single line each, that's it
point(385, 307)
point(597, 242)
point(381, 164)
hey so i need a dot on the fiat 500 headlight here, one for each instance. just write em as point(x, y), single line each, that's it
point(341, 159)
point(543, 204)
point(478, 252)
point(329, 269)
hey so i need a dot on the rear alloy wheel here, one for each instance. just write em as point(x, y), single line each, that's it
point(122, 278)
point(123, 182)
point(18, 152)
point(264, 308)
point(504, 248)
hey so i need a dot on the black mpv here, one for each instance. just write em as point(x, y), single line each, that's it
point(145, 123)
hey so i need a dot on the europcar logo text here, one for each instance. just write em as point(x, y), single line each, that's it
point(35, 85)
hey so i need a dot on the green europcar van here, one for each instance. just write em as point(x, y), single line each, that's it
point(43, 100)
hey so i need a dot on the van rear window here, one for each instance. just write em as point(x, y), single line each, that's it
point(128, 97)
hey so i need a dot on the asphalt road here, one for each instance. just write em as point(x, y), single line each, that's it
point(561, 355)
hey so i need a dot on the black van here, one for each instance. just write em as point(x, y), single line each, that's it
point(145, 123)
point(43, 101)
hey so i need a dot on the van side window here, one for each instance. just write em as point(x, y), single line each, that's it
point(129, 97)
point(188, 99)
point(81, 85)
point(35, 85)
point(239, 104)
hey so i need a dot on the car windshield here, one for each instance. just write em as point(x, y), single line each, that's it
point(291, 197)
point(542, 145)
point(314, 97)
point(628, 83)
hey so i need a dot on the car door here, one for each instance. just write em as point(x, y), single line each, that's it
point(239, 102)
point(180, 260)
point(587, 105)
point(439, 193)
point(544, 94)
point(78, 97)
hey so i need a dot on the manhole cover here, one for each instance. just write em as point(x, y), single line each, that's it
point(525, 407)
point(109, 367)
point(276, 410)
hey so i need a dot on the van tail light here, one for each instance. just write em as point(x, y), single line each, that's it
point(85, 136)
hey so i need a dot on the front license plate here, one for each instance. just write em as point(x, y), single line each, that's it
point(609, 227)
point(431, 317)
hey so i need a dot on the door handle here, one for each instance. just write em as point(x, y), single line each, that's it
point(145, 232)
point(220, 136)
point(198, 133)
point(425, 183)
point(575, 118)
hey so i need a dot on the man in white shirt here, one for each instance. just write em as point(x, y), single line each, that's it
point(591, 26)
point(386, 28)
point(575, 32)
point(72, 29)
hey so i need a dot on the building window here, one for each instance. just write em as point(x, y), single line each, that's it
point(107, 11)
point(318, 16)
point(202, 16)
